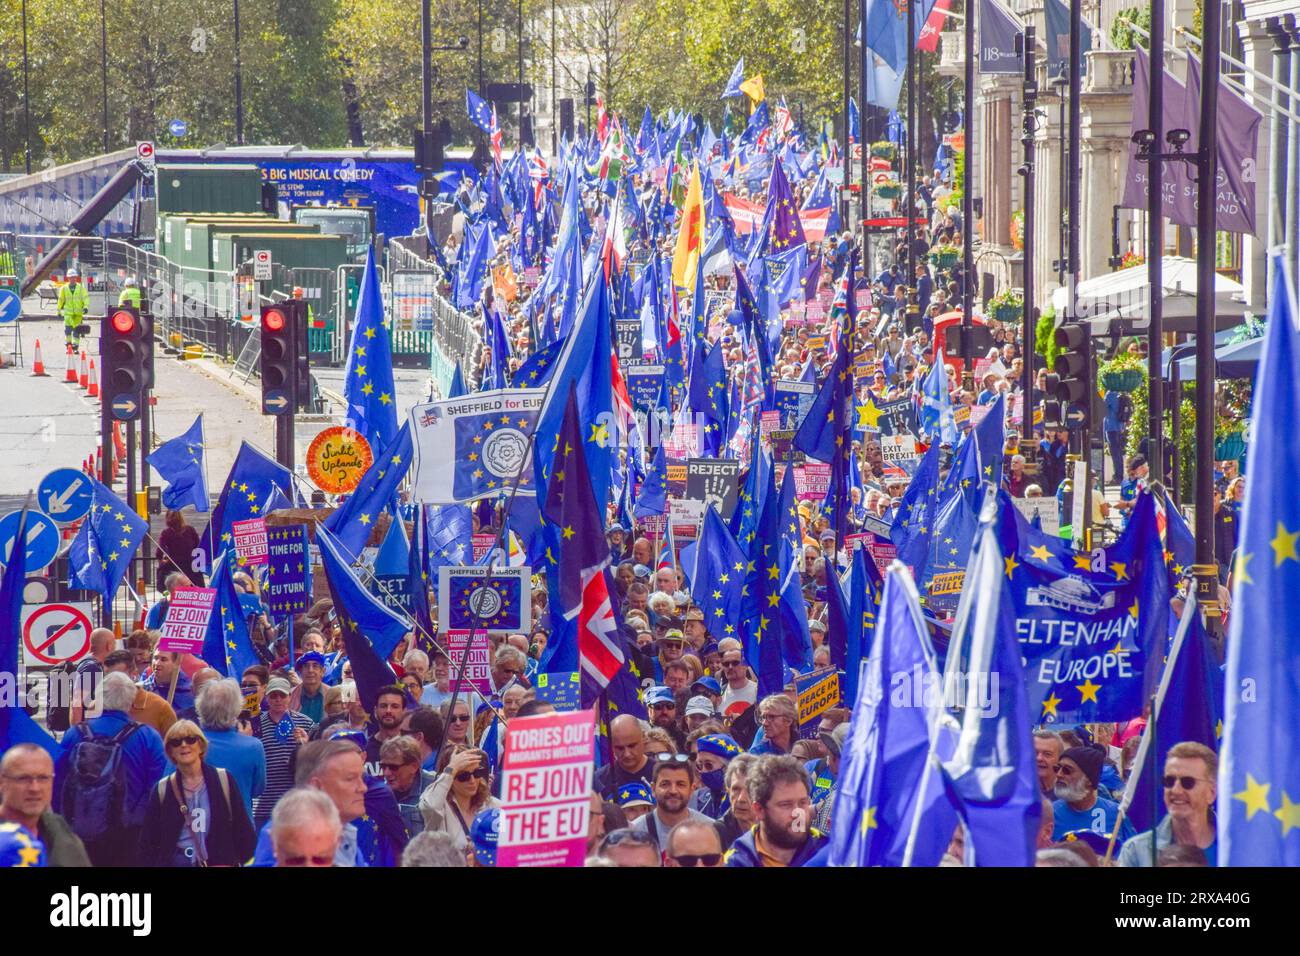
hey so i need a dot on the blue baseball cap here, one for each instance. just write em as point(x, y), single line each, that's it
point(635, 794)
point(1098, 841)
point(720, 745)
point(483, 833)
point(659, 695)
point(311, 657)
point(709, 684)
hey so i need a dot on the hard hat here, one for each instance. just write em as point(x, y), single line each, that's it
point(131, 281)
point(72, 274)
point(297, 292)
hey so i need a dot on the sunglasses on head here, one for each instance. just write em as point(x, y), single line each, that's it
point(191, 740)
point(698, 859)
point(1187, 783)
point(675, 758)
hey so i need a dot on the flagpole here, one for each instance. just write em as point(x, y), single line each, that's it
point(914, 607)
point(1148, 742)
point(910, 278)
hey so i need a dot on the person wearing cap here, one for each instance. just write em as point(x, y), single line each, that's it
point(825, 773)
point(630, 764)
point(73, 302)
point(635, 799)
point(697, 633)
point(308, 698)
point(282, 732)
point(698, 710)
point(616, 536)
point(709, 688)
point(661, 707)
point(713, 752)
point(1077, 805)
point(484, 833)
point(670, 641)
point(673, 782)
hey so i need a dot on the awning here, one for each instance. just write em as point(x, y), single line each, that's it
point(1233, 360)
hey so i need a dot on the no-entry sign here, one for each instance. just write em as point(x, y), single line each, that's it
point(55, 633)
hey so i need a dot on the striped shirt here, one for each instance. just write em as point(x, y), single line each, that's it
point(279, 762)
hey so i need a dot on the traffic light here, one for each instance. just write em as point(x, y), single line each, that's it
point(302, 355)
point(277, 364)
point(1052, 416)
point(122, 354)
point(147, 342)
point(1074, 362)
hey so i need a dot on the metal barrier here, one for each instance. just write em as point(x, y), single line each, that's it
point(454, 337)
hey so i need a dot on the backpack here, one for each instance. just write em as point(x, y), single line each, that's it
point(94, 792)
point(58, 713)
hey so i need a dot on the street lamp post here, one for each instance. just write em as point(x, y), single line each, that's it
point(239, 85)
point(1027, 321)
point(103, 66)
point(1155, 246)
point(848, 86)
point(27, 103)
point(968, 203)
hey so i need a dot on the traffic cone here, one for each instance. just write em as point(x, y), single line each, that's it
point(83, 377)
point(71, 374)
point(119, 443)
point(93, 390)
point(38, 363)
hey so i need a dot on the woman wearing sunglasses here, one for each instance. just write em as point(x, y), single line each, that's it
point(196, 815)
point(458, 795)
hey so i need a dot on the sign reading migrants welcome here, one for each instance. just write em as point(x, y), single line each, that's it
point(546, 789)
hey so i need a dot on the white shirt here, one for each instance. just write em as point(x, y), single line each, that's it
point(747, 693)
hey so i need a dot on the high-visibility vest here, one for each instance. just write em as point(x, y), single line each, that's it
point(73, 302)
point(130, 296)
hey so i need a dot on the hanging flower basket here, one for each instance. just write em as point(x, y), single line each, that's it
point(885, 150)
point(1230, 447)
point(945, 258)
point(1006, 313)
point(1124, 380)
point(889, 190)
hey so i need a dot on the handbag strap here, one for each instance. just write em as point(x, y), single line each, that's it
point(200, 847)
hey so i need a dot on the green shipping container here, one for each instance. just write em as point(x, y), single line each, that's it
point(211, 188)
point(298, 250)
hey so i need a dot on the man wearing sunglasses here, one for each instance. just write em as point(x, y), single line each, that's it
point(693, 844)
point(739, 687)
point(1077, 806)
point(1191, 770)
point(674, 781)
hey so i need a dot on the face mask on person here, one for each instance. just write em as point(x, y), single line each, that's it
point(712, 779)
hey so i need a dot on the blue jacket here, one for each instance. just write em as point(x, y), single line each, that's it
point(184, 696)
point(142, 755)
point(744, 853)
point(241, 756)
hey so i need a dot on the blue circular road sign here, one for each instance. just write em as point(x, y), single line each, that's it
point(178, 128)
point(11, 307)
point(65, 495)
point(42, 538)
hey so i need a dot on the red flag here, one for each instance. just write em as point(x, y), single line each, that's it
point(928, 41)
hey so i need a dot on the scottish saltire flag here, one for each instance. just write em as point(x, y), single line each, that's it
point(737, 78)
point(370, 631)
point(1188, 706)
point(16, 725)
point(180, 462)
point(992, 777)
point(506, 595)
point(718, 576)
point(887, 775)
point(227, 646)
point(1092, 626)
point(448, 529)
point(368, 375)
point(936, 406)
point(582, 589)
point(480, 114)
point(101, 552)
point(352, 521)
point(1259, 771)
point(887, 28)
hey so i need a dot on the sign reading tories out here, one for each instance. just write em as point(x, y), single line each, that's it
point(546, 789)
point(187, 620)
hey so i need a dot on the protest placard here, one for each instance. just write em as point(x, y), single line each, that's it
point(250, 541)
point(814, 695)
point(472, 598)
point(546, 789)
point(895, 449)
point(563, 691)
point(186, 624)
point(714, 481)
point(482, 543)
point(478, 666)
point(811, 480)
point(1044, 510)
point(288, 589)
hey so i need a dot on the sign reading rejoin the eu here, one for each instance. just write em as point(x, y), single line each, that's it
point(288, 590)
point(470, 598)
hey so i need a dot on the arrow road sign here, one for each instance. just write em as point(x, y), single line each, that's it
point(65, 495)
point(42, 538)
point(55, 633)
point(11, 307)
point(277, 400)
point(125, 407)
point(178, 128)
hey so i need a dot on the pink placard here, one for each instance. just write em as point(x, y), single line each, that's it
point(250, 540)
point(186, 624)
point(483, 543)
point(546, 789)
point(478, 666)
point(811, 480)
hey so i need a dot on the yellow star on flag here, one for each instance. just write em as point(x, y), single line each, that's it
point(1087, 691)
point(1050, 705)
point(1283, 545)
point(1040, 553)
point(869, 820)
point(1288, 813)
point(1255, 796)
point(869, 415)
point(1120, 570)
point(1011, 564)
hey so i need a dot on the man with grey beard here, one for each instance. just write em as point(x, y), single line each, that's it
point(1077, 806)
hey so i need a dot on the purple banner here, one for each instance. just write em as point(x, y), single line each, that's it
point(1237, 138)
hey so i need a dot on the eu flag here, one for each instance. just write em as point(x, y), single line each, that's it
point(992, 777)
point(887, 776)
point(936, 405)
point(914, 524)
point(708, 395)
point(990, 437)
point(101, 552)
point(351, 522)
point(472, 269)
point(539, 367)
point(180, 462)
point(1259, 775)
point(368, 375)
point(507, 596)
point(370, 630)
point(718, 576)
point(480, 114)
point(16, 725)
point(865, 589)
point(733, 84)
point(448, 533)
point(653, 497)
point(417, 573)
point(498, 345)
point(226, 646)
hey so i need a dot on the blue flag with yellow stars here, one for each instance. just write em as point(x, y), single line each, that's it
point(785, 230)
point(955, 522)
point(370, 630)
point(1092, 626)
point(708, 396)
point(418, 576)
point(886, 775)
point(992, 777)
point(226, 646)
point(914, 523)
point(539, 367)
point(1259, 776)
point(718, 578)
point(243, 496)
point(351, 522)
point(449, 531)
point(368, 375)
point(744, 519)
point(991, 437)
point(653, 497)
point(180, 462)
point(503, 593)
point(16, 725)
point(101, 552)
